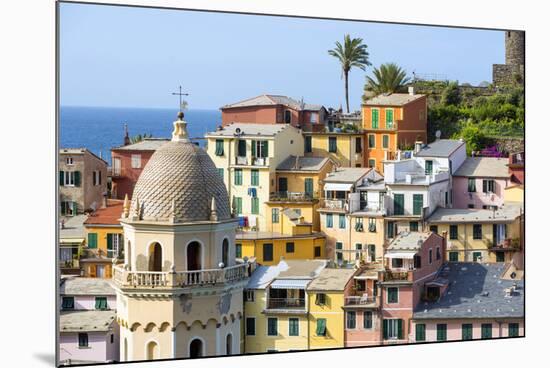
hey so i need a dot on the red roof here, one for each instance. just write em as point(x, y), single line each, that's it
point(108, 215)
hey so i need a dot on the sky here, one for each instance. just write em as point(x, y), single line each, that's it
point(136, 57)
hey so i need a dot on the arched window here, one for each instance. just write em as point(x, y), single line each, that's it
point(228, 344)
point(152, 351)
point(194, 260)
point(225, 252)
point(196, 349)
point(155, 257)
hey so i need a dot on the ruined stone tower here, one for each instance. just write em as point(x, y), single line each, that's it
point(512, 71)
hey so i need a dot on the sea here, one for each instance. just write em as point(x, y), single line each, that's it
point(101, 128)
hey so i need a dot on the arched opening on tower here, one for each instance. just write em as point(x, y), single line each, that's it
point(228, 344)
point(155, 257)
point(196, 349)
point(152, 351)
point(225, 252)
point(194, 256)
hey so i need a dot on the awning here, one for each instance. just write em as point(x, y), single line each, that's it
point(289, 284)
point(71, 241)
point(405, 255)
point(338, 186)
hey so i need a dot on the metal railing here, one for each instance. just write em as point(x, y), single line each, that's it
point(360, 300)
point(293, 196)
point(397, 276)
point(286, 303)
point(146, 279)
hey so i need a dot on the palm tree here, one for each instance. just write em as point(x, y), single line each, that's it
point(388, 78)
point(353, 54)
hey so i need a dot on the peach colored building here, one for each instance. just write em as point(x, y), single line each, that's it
point(274, 109)
point(480, 183)
point(392, 122)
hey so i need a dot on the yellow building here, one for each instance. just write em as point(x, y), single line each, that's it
point(478, 234)
point(292, 238)
point(514, 193)
point(105, 240)
point(246, 156)
point(298, 188)
point(326, 307)
point(345, 149)
point(277, 306)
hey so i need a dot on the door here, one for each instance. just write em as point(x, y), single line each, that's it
point(398, 204)
point(308, 187)
point(195, 349)
point(283, 184)
point(194, 256)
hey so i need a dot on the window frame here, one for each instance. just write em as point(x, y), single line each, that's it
point(386, 141)
point(297, 326)
point(370, 319)
point(332, 144)
point(275, 215)
point(83, 340)
point(276, 326)
point(477, 231)
point(371, 144)
point(420, 335)
point(135, 161)
point(351, 321)
point(341, 224)
point(453, 232)
point(238, 177)
point(375, 123)
point(264, 247)
point(248, 326)
point(396, 295)
point(287, 247)
point(441, 332)
point(254, 177)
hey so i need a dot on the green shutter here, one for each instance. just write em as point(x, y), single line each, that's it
point(110, 241)
point(77, 178)
point(400, 329)
point(255, 205)
point(467, 331)
point(238, 250)
point(61, 178)
point(420, 332)
point(75, 208)
point(389, 118)
point(441, 332)
point(92, 240)
point(253, 148)
point(100, 303)
point(513, 329)
point(385, 329)
point(375, 115)
point(428, 167)
point(219, 147)
point(241, 151)
point(321, 327)
point(372, 141)
point(418, 203)
point(308, 186)
point(385, 141)
point(265, 149)
point(293, 327)
point(398, 204)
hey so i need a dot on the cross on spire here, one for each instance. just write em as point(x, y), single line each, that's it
point(183, 104)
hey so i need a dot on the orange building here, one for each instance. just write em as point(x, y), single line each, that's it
point(392, 122)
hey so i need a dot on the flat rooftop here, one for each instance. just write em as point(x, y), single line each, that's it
point(301, 163)
point(347, 174)
point(440, 148)
point(392, 99)
point(73, 227)
point(408, 241)
point(332, 279)
point(147, 144)
point(475, 290)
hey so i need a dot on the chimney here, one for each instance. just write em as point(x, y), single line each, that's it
point(411, 90)
point(417, 146)
point(104, 204)
point(126, 135)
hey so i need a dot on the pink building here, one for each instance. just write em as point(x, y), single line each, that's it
point(482, 301)
point(480, 183)
point(390, 293)
point(88, 329)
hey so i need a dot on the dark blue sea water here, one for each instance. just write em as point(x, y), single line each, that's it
point(101, 128)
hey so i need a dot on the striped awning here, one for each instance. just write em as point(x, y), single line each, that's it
point(290, 284)
point(404, 255)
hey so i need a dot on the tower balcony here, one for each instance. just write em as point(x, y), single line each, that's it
point(179, 279)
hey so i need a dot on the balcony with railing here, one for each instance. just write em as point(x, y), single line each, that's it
point(179, 279)
point(286, 303)
point(506, 245)
point(361, 301)
point(293, 196)
point(251, 161)
point(395, 275)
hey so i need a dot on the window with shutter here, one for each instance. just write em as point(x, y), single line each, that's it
point(420, 332)
point(453, 256)
point(342, 221)
point(486, 331)
point(350, 320)
point(413, 226)
point(453, 232)
point(238, 250)
point(393, 294)
point(293, 327)
point(441, 332)
point(399, 204)
point(238, 179)
point(77, 178)
point(471, 185)
point(241, 148)
point(428, 167)
point(375, 118)
point(367, 320)
point(385, 141)
point(321, 329)
point(418, 204)
point(275, 215)
point(92, 240)
point(254, 177)
point(255, 203)
point(372, 141)
point(250, 326)
point(82, 340)
point(467, 329)
point(358, 145)
point(308, 187)
point(272, 327)
point(329, 220)
point(100, 303)
point(67, 302)
point(219, 147)
point(332, 145)
point(513, 329)
point(389, 118)
point(307, 143)
point(477, 231)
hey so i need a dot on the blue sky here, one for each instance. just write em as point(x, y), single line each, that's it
point(135, 57)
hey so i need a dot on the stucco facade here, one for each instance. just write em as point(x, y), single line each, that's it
point(348, 149)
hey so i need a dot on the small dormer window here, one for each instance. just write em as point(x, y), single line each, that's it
point(69, 161)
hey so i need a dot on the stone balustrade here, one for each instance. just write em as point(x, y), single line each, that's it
point(178, 279)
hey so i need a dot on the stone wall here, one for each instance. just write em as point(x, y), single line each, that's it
point(507, 74)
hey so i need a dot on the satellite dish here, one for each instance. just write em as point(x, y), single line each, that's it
point(238, 130)
point(438, 134)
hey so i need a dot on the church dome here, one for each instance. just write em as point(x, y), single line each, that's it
point(179, 183)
